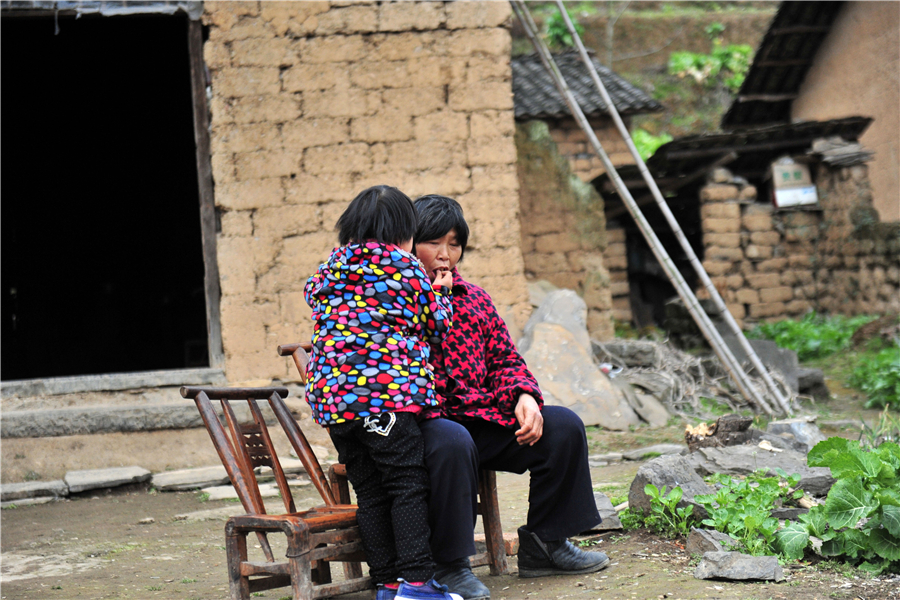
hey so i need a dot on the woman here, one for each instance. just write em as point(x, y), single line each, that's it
point(494, 417)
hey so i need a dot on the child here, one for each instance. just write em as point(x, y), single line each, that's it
point(375, 312)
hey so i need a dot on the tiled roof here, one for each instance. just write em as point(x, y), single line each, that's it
point(536, 96)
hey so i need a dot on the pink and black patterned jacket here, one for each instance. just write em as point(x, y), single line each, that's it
point(478, 373)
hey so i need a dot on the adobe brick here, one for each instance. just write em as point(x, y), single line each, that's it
point(492, 178)
point(305, 77)
point(759, 281)
point(453, 180)
point(721, 210)
point(615, 235)
point(245, 195)
point(263, 52)
point(725, 240)
point(715, 267)
point(245, 138)
point(399, 46)
point(718, 253)
point(765, 238)
point(308, 189)
point(721, 225)
point(747, 296)
point(799, 260)
point(340, 157)
point(755, 252)
point(225, 14)
point(405, 16)
point(236, 274)
point(349, 19)
point(283, 221)
point(557, 242)
point(377, 75)
point(278, 108)
point(615, 249)
point(771, 309)
point(489, 151)
point(237, 223)
point(216, 56)
point(619, 288)
point(222, 167)
point(616, 262)
point(496, 262)
point(482, 68)
point(748, 193)
point(300, 134)
point(237, 82)
point(797, 307)
point(492, 123)
point(414, 155)
point(265, 164)
point(738, 312)
point(340, 103)
point(772, 264)
point(385, 126)
point(442, 126)
point(734, 282)
point(295, 17)
point(331, 49)
point(469, 42)
point(469, 15)
point(778, 294)
point(483, 96)
point(718, 193)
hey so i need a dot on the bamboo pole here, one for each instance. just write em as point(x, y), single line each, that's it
point(673, 222)
point(706, 327)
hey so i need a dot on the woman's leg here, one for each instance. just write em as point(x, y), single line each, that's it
point(561, 496)
point(452, 463)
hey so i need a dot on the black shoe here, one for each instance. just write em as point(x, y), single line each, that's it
point(539, 559)
point(459, 579)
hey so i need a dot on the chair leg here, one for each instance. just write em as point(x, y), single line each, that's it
point(340, 487)
point(301, 576)
point(493, 530)
point(236, 553)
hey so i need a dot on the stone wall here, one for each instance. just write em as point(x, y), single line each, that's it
point(562, 225)
point(314, 101)
point(771, 265)
point(615, 257)
point(573, 144)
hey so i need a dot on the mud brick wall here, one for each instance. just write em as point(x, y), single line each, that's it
point(562, 225)
point(573, 144)
point(615, 257)
point(311, 102)
point(771, 265)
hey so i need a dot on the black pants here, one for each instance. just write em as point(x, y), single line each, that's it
point(384, 458)
point(560, 500)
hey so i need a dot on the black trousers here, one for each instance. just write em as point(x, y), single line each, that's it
point(561, 497)
point(385, 465)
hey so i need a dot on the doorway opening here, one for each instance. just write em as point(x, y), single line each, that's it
point(102, 260)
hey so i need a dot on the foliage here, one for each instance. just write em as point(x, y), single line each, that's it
point(813, 336)
point(741, 507)
point(887, 429)
point(665, 517)
point(647, 143)
point(557, 34)
point(725, 65)
point(860, 520)
point(879, 378)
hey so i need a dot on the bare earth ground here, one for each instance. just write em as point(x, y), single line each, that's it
point(93, 547)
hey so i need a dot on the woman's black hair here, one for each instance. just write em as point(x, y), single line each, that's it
point(437, 216)
point(381, 213)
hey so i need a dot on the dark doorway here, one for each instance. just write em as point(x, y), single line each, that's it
point(102, 264)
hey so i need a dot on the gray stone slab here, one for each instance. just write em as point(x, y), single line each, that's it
point(647, 407)
point(654, 451)
point(80, 481)
point(734, 565)
point(608, 514)
point(812, 383)
point(28, 501)
point(773, 357)
point(666, 473)
point(709, 540)
point(561, 307)
point(805, 432)
point(33, 489)
point(189, 479)
point(628, 353)
point(609, 457)
point(113, 381)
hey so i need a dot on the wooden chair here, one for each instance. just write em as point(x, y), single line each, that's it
point(315, 537)
point(488, 507)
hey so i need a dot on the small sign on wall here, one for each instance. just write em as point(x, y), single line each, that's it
point(792, 184)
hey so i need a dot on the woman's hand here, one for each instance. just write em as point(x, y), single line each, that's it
point(442, 277)
point(531, 421)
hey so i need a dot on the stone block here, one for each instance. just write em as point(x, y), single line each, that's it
point(721, 225)
point(724, 240)
point(484, 96)
point(340, 157)
point(469, 15)
point(417, 16)
point(33, 489)
point(237, 82)
point(720, 210)
point(80, 481)
point(747, 296)
point(719, 193)
point(757, 222)
point(778, 294)
point(189, 479)
point(737, 566)
point(772, 264)
point(755, 252)
point(771, 309)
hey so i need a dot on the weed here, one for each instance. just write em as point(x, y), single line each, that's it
point(188, 580)
point(813, 336)
point(55, 587)
point(19, 456)
point(589, 543)
point(10, 507)
point(32, 476)
point(154, 588)
point(203, 497)
point(879, 378)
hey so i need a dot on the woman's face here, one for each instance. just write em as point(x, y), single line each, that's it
point(441, 254)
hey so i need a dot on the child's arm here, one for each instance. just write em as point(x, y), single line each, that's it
point(313, 285)
point(437, 306)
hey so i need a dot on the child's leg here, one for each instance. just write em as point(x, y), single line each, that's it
point(396, 447)
point(374, 513)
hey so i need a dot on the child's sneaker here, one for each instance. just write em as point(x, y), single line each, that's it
point(431, 590)
point(385, 593)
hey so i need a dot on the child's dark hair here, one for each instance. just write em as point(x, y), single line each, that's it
point(437, 216)
point(381, 213)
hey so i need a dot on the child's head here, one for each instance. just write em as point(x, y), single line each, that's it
point(381, 213)
point(439, 215)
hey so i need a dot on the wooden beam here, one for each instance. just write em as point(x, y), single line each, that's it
point(207, 202)
point(700, 152)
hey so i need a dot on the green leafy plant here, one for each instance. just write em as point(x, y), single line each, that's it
point(813, 336)
point(879, 378)
point(860, 520)
point(741, 507)
point(557, 34)
point(647, 143)
point(886, 429)
point(727, 65)
point(665, 517)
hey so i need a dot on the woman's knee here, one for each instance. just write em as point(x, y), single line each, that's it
point(563, 426)
point(448, 445)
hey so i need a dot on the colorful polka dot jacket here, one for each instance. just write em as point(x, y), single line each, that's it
point(478, 373)
point(375, 313)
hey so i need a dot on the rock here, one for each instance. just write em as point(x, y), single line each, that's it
point(668, 472)
point(189, 479)
point(783, 442)
point(538, 290)
point(607, 458)
point(734, 565)
point(147, 521)
point(562, 307)
point(646, 406)
point(709, 540)
point(811, 382)
point(728, 430)
point(654, 451)
point(607, 513)
point(787, 514)
point(568, 377)
point(79, 481)
point(627, 353)
point(743, 460)
point(805, 432)
point(33, 489)
point(29, 501)
point(659, 384)
point(773, 357)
